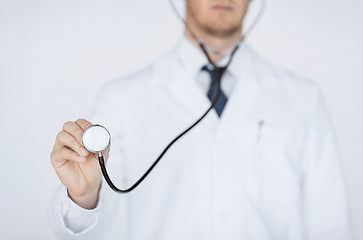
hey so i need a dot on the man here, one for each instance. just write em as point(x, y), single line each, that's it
point(264, 166)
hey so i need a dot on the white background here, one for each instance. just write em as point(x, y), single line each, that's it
point(55, 56)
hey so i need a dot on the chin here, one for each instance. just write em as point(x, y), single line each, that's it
point(222, 30)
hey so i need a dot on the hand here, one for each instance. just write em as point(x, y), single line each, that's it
point(77, 168)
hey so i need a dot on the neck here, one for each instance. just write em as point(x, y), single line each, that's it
point(215, 43)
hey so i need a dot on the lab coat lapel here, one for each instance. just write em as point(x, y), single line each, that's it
point(188, 95)
point(242, 68)
point(181, 85)
point(177, 75)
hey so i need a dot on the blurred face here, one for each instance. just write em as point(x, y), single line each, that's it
point(220, 18)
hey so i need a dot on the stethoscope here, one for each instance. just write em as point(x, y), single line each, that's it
point(97, 138)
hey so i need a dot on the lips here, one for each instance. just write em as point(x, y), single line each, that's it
point(222, 9)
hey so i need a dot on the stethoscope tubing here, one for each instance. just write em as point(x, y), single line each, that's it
point(102, 162)
point(220, 72)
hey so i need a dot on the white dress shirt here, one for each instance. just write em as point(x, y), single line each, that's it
point(268, 168)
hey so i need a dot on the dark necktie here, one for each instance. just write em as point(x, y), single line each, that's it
point(222, 99)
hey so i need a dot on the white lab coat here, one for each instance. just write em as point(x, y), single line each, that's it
point(267, 169)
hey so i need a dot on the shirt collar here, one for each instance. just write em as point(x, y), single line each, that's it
point(193, 59)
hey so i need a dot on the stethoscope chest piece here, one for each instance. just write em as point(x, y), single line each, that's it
point(96, 138)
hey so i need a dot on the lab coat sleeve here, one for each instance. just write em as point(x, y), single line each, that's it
point(71, 221)
point(77, 219)
point(326, 211)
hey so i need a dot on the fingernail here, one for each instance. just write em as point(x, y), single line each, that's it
point(83, 151)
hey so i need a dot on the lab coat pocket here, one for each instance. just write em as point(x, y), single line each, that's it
point(270, 168)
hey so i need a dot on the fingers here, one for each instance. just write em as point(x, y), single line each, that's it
point(83, 123)
point(65, 139)
point(69, 144)
point(66, 154)
point(74, 129)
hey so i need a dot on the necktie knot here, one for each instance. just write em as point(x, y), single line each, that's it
point(214, 72)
